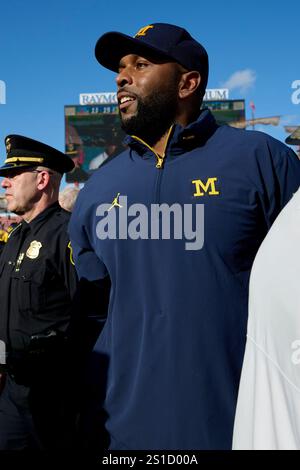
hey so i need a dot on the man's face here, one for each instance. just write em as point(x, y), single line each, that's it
point(20, 190)
point(147, 96)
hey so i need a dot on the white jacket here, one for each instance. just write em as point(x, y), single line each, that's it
point(268, 410)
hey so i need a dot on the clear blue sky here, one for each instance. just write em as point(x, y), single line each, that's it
point(47, 55)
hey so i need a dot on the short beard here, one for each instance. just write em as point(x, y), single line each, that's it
point(155, 115)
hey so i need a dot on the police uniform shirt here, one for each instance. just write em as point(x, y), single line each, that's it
point(38, 279)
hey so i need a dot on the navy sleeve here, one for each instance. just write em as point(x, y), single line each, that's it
point(92, 297)
point(87, 263)
point(277, 176)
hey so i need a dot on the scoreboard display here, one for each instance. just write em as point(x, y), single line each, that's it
point(226, 111)
point(93, 133)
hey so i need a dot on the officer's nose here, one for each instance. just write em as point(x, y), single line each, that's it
point(5, 183)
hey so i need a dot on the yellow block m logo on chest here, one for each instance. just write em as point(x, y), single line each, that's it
point(208, 187)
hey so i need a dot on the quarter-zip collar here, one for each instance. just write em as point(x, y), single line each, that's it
point(180, 139)
point(159, 158)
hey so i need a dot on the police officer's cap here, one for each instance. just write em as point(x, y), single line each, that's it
point(23, 152)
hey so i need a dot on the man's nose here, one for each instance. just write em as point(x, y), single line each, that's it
point(4, 183)
point(124, 78)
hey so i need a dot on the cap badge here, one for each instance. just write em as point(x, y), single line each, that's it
point(8, 145)
point(34, 249)
point(143, 31)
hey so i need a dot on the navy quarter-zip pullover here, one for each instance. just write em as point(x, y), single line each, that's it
point(174, 338)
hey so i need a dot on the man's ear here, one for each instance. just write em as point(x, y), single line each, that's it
point(43, 180)
point(188, 84)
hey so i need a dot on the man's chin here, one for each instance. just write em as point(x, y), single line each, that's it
point(126, 118)
point(129, 124)
point(12, 208)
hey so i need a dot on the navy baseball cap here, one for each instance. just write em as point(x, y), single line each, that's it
point(23, 152)
point(157, 40)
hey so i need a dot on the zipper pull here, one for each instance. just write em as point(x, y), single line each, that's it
point(160, 161)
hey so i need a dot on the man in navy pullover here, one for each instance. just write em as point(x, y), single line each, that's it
point(174, 222)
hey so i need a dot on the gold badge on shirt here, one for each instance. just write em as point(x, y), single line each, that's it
point(34, 249)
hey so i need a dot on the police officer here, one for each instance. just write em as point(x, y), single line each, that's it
point(38, 283)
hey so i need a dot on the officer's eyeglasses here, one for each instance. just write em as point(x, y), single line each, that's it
point(40, 171)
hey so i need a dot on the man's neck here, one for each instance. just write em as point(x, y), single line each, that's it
point(183, 120)
point(160, 146)
point(37, 209)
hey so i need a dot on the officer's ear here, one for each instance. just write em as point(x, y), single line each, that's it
point(43, 179)
point(189, 83)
